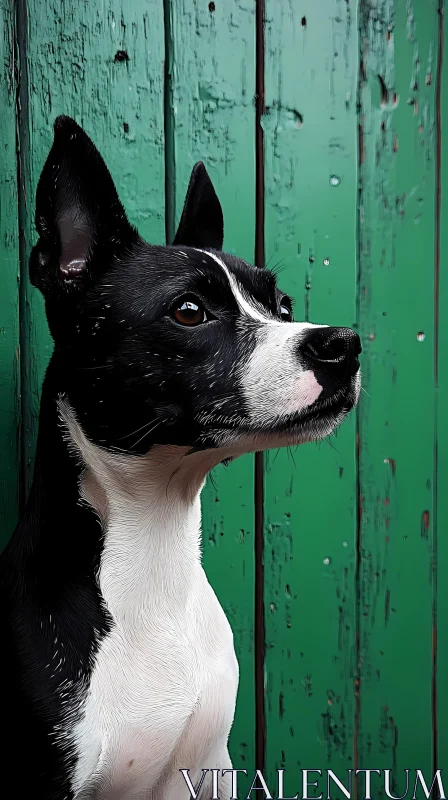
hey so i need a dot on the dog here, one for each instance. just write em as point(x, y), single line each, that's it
point(119, 668)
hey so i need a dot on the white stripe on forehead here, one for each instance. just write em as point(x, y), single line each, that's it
point(285, 330)
point(244, 305)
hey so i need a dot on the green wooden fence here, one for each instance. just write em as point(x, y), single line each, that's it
point(323, 132)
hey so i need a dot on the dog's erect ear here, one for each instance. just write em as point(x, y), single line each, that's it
point(79, 217)
point(201, 223)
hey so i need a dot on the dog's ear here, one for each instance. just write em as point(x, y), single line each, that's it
point(201, 223)
point(79, 217)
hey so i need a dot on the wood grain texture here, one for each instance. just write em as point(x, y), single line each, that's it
point(213, 83)
point(310, 151)
point(9, 280)
point(398, 52)
point(102, 65)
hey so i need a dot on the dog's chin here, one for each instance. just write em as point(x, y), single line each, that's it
point(318, 420)
point(315, 422)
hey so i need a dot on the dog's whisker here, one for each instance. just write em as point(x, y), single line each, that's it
point(98, 366)
point(269, 260)
point(146, 425)
point(330, 443)
point(278, 268)
point(159, 422)
point(290, 453)
point(213, 482)
point(276, 454)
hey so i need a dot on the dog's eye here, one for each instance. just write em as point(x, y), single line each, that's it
point(189, 311)
point(285, 311)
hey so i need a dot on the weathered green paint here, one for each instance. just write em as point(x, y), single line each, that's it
point(398, 46)
point(73, 68)
point(311, 144)
point(441, 449)
point(9, 285)
point(213, 78)
point(355, 546)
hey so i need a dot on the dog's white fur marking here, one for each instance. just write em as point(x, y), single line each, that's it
point(246, 304)
point(273, 382)
point(163, 688)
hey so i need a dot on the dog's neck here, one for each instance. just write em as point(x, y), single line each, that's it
point(149, 507)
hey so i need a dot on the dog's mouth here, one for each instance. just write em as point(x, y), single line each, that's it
point(311, 423)
point(318, 418)
point(341, 402)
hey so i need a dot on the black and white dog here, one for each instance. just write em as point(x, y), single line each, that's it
point(118, 662)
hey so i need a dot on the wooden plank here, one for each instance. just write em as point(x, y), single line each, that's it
point(213, 79)
point(396, 420)
point(440, 596)
point(310, 184)
point(102, 65)
point(9, 281)
point(259, 462)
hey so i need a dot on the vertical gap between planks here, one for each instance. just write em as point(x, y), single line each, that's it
point(358, 532)
point(168, 119)
point(260, 646)
point(438, 200)
point(22, 156)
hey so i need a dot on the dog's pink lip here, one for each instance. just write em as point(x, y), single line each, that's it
point(331, 406)
point(305, 393)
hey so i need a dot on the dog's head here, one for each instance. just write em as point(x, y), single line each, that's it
point(179, 345)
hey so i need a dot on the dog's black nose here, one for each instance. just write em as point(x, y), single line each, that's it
point(334, 348)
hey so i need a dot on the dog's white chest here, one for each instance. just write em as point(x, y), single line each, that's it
point(163, 688)
point(162, 691)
